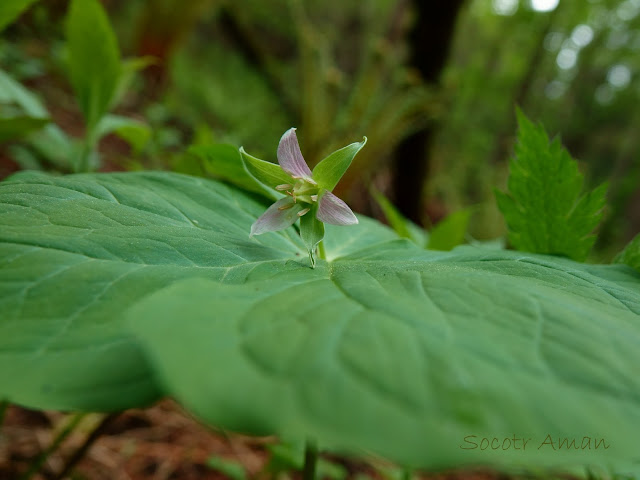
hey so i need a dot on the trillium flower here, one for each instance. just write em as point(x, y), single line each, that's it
point(307, 194)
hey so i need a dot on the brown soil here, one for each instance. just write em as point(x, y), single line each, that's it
point(159, 443)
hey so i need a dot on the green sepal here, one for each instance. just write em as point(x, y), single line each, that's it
point(329, 171)
point(267, 173)
point(311, 232)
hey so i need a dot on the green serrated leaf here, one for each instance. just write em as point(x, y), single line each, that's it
point(17, 127)
point(631, 254)
point(267, 173)
point(224, 161)
point(116, 289)
point(329, 171)
point(94, 58)
point(544, 208)
point(449, 232)
point(11, 10)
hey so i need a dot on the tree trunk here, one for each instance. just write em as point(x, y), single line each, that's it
point(430, 40)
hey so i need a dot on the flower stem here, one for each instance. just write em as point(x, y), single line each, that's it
point(310, 461)
point(321, 251)
point(82, 161)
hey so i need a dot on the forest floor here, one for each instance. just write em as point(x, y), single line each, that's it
point(158, 443)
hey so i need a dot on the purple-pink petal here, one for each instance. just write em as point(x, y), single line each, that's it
point(290, 157)
point(276, 217)
point(334, 211)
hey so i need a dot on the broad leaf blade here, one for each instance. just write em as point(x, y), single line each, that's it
point(544, 209)
point(77, 251)
point(417, 342)
point(329, 171)
point(365, 353)
point(94, 58)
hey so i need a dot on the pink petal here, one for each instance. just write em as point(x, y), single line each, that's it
point(334, 211)
point(290, 157)
point(275, 218)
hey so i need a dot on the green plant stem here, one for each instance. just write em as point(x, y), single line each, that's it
point(321, 251)
point(82, 450)
point(310, 461)
point(82, 165)
point(57, 441)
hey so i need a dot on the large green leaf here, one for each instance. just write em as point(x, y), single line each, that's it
point(77, 251)
point(94, 58)
point(115, 288)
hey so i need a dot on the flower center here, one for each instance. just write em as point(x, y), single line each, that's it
point(302, 191)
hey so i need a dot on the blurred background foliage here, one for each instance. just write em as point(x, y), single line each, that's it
point(433, 85)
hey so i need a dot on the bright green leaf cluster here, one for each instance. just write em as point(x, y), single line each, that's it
point(544, 208)
point(99, 78)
